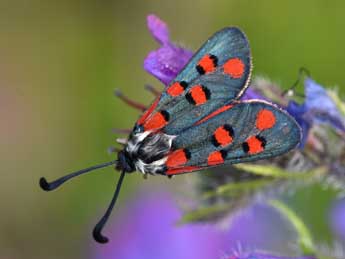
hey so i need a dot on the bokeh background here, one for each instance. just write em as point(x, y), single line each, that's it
point(61, 60)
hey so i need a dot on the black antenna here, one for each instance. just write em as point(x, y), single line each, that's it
point(290, 91)
point(55, 184)
point(97, 235)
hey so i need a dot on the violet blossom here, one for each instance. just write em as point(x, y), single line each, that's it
point(317, 108)
point(337, 218)
point(266, 256)
point(247, 228)
point(168, 60)
point(146, 228)
point(321, 108)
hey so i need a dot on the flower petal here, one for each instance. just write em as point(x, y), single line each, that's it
point(158, 28)
point(298, 111)
point(247, 229)
point(250, 94)
point(146, 228)
point(166, 62)
point(320, 106)
point(267, 256)
point(337, 217)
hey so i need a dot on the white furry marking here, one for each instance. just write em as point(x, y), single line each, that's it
point(151, 146)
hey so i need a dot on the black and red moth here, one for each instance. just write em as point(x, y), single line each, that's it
point(199, 122)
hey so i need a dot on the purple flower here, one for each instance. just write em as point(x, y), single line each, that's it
point(337, 218)
point(250, 94)
point(166, 62)
point(267, 256)
point(318, 107)
point(321, 108)
point(260, 226)
point(146, 228)
point(298, 111)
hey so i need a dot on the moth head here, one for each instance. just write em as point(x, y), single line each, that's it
point(125, 162)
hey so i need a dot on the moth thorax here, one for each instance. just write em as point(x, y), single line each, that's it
point(154, 147)
point(149, 150)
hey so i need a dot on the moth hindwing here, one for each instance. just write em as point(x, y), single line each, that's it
point(198, 120)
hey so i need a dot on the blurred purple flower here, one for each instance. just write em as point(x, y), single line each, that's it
point(337, 218)
point(318, 107)
point(267, 256)
point(260, 226)
point(321, 108)
point(166, 62)
point(147, 229)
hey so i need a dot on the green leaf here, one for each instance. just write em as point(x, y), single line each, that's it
point(264, 170)
point(235, 189)
point(204, 213)
point(278, 173)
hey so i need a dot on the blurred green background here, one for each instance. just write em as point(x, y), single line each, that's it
point(61, 60)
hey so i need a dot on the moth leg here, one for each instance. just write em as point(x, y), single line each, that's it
point(152, 90)
point(113, 150)
point(122, 141)
point(128, 101)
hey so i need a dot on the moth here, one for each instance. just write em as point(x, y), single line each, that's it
point(198, 121)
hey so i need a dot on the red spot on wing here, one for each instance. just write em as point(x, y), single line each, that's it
point(216, 112)
point(215, 158)
point(207, 64)
point(223, 136)
point(177, 158)
point(176, 88)
point(156, 121)
point(197, 95)
point(265, 119)
point(182, 170)
point(255, 145)
point(234, 67)
point(148, 111)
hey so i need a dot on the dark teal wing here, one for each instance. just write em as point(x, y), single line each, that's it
point(216, 75)
point(241, 132)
